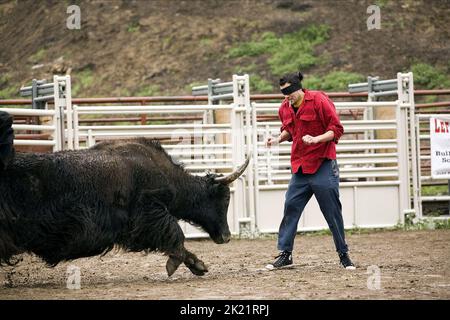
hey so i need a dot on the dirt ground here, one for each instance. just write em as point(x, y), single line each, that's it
point(412, 265)
point(183, 42)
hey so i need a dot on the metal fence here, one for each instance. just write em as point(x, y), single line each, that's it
point(379, 159)
point(47, 125)
point(193, 138)
point(50, 127)
point(369, 171)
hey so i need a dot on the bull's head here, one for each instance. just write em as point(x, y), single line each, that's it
point(217, 204)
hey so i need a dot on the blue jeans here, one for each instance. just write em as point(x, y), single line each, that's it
point(324, 184)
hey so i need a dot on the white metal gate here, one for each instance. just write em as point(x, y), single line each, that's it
point(377, 173)
point(371, 182)
point(52, 121)
point(201, 145)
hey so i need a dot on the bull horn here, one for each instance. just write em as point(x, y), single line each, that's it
point(236, 174)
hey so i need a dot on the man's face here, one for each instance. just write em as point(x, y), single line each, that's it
point(294, 96)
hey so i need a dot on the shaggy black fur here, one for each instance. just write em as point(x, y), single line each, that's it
point(73, 204)
point(6, 140)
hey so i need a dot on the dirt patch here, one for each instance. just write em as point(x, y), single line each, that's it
point(413, 265)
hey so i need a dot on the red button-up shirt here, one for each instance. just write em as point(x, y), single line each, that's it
point(315, 116)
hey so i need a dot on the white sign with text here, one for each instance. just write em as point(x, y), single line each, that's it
point(440, 147)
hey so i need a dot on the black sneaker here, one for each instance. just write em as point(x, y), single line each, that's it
point(346, 262)
point(284, 259)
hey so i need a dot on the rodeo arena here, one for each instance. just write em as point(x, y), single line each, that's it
point(206, 160)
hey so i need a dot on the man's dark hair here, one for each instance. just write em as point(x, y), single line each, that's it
point(292, 78)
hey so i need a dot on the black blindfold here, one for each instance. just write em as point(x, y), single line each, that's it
point(292, 88)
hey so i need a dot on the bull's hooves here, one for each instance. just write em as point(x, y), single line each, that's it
point(172, 266)
point(170, 270)
point(198, 272)
point(199, 265)
point(199, 268)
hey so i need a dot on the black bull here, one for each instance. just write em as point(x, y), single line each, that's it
point(72, 204)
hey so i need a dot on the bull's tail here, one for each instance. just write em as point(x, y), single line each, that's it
point(6, 139)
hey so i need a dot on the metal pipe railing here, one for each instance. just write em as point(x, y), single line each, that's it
point(254, 97)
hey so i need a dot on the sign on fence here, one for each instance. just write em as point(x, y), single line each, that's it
point(440, 147)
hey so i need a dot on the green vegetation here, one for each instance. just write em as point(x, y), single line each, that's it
point(265, 44)
point(354, 230)
point(148, 91)
point(442, 224)
point(81, 81)
point(334, 81)
point(323, 232)
point(4, 79)
point(427, 224)
point(206, 42)
point(123, 92)
point(381, 3)
point(293, 51)
point(428, 99)
point(257, 83)
point(260, 85)
point(38, 56)
point(409, 225)
point(133, 27)
point(188, 88)
point(7, 92)
point(86, 78)
point(434, 190)
point(166, 42)
point(248, 68)
point(429, 77)
point(424, 224)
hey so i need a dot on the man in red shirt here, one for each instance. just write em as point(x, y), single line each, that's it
point(310, 121)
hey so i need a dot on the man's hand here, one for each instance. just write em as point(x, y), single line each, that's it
point(327, 136)
point(307, 139)
point(271, 141)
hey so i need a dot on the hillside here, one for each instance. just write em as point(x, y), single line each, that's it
point(163, 47)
